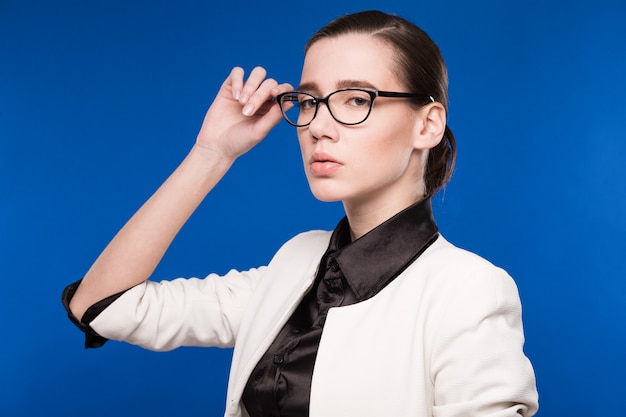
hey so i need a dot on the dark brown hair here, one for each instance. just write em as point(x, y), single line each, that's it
point(420, 67)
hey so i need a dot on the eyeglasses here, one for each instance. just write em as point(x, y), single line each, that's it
point(348, 106)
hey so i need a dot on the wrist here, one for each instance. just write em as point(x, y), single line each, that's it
point(211, 158)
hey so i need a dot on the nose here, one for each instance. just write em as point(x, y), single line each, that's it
point(323, 125)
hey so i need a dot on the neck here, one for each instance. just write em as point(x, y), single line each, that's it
point(365, 217)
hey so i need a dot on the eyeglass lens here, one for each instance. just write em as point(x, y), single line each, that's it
point(346, 106)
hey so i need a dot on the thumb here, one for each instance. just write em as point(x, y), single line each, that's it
point(266, 123)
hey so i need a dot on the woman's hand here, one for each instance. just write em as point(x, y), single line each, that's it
point(242, 113)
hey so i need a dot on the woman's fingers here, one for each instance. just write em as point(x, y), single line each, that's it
point(233, 126)
point(256, 91)
point(270, 102)
point(255, 95)
point(259, 97)
point(270, 111)
point(235, 79)
point(256, 77)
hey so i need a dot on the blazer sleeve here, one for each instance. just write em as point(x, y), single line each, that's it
point(478, 366)
point(165, 315)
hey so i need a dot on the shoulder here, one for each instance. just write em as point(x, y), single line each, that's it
point(442, 249)
point(462, 272)
point(312, 240)
point(451, 258)
point(301, 249)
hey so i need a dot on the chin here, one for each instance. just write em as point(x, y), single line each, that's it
point(326, 198)
point(325, 195)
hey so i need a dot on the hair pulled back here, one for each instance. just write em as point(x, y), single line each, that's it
point(420, 66)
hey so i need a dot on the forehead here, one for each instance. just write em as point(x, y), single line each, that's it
point(359, 57)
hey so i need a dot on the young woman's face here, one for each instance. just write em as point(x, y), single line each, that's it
point(371, 163)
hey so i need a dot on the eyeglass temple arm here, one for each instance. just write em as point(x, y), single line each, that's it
point(404, 95)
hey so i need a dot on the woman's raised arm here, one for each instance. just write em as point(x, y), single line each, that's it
point(241, 115)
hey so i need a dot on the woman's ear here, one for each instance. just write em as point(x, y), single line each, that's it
point(430, 126)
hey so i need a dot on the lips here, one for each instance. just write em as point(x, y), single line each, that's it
point(323, 164)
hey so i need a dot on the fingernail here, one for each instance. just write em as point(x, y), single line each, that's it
point(244, 97)
point(247, 110)
point(236, 94)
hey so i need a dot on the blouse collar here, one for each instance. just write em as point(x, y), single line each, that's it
point(376, 258)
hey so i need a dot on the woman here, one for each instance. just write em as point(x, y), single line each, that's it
point(381, 317)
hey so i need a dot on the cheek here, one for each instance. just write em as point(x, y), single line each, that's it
point(374, 161)
point(303, 143)
point(389, 147)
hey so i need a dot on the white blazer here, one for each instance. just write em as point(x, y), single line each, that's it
point(443, 339)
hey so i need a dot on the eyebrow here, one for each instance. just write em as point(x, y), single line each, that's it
point(312, 87)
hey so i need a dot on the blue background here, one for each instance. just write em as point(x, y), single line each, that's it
point(99, 101)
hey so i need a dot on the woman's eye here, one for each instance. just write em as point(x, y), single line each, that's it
point(308, 103)
point(359, 101)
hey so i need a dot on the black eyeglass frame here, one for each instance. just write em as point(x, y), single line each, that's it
point(372, 93)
